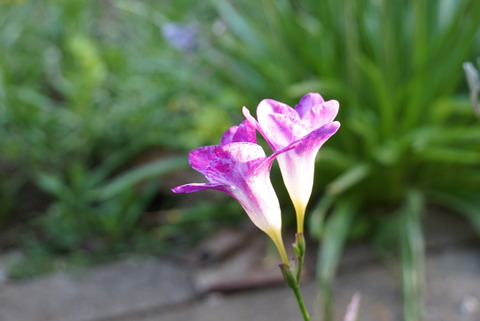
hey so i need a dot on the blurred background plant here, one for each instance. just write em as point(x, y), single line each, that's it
point(408, 138)
point(97, 99)
point(473, 80)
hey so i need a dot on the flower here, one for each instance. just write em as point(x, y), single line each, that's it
point(240, 168)
point(182, 37)
point(309, 125)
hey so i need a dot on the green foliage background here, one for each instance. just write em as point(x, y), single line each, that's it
point(96, 105)
point(89, 90)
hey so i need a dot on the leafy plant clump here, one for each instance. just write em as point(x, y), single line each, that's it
point(88, 90)
point(407, 138)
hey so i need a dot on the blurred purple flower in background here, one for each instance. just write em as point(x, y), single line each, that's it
point(182, 37)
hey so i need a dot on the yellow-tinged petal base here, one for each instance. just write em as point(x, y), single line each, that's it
point(300, 209)
point(278, 241)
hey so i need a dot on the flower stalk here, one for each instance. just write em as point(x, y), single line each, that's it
point(291, 279)
point(299, 249)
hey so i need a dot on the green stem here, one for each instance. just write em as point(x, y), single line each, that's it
point(299, 268)
point(299, 248)
point(301, 305)
point(292, 282)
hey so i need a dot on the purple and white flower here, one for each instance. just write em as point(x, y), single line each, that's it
point(240, 168)
point(309, 125)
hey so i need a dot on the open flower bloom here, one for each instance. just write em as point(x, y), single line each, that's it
point(309, 125)
point(240, 168)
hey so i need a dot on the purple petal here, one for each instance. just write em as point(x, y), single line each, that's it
point(307, 102)
point(227, 137)
point(269, 106)
point(245, 132)
point(281, 130)
point(234, 163)
point(201, 157)
point(320, 114)
point(314, 140)
point(195, 187)
point(251, 119)
point(267, 163)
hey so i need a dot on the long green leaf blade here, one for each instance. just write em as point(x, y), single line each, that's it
point(413, 253)
point(336, 232)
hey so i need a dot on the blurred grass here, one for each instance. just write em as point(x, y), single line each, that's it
point(413, 256)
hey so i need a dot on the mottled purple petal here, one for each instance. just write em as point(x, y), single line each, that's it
point(227, 137)
point(314, 140)
point(283, 130)
point(195, 187)
point(245, 132)
point(201, 157)
point(234, 162)
point(321, 114)
point(307, 102)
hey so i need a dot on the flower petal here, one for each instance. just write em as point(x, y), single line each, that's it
point(227, 137)
point(256, 125)
point(307, 102)
point(258, 199)
point(269, 106)
point(201, 157)
point(266, 165)
point(281, 130)
point(234, 163)
point(251, 119)
point(297, 173)
point(314, 140)
point(195, 187)
point(245, 132)
point(320, 114)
